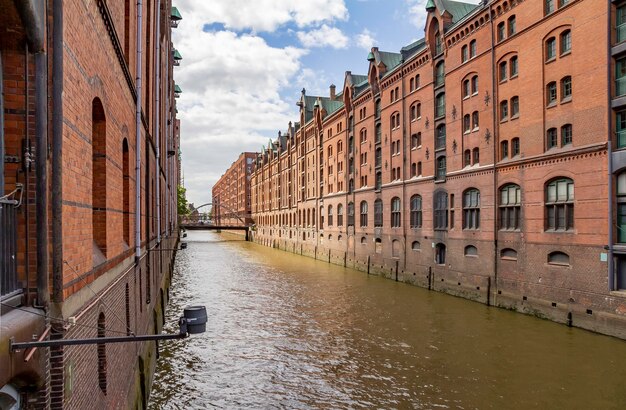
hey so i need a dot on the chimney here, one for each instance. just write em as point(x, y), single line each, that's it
point(332, 92)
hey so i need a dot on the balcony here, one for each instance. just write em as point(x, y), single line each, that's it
point(8, 249)
point(620, 86)
point(621, 32)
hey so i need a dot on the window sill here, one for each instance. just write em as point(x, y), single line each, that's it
point(550, 60)
point(566, 100)
point(514, 117)
point(502, 81)
point(512, 77)
point(508, 258)
point(557, 231)
point(566, 53)
point(466, 97)
point(503, 120)
point(551, 104)
point(475, 129)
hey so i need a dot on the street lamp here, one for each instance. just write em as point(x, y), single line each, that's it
point(192, 322)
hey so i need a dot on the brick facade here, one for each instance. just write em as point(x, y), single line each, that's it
point(98, 285)
point(493, 138)
point(231, 193)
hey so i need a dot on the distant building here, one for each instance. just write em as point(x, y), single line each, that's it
point(231, 193)
point(85, 149)
point(485, 160)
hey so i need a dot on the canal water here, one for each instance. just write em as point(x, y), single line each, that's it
point(286, 331)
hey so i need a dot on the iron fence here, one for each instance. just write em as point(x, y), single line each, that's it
point(8, 248)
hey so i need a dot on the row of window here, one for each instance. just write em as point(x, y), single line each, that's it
point(552, 138)
point(550, 5)
point(559, 205)
point(505, 31)
point(513, 104)
point(566, 91)
point(565, 45)
point(559, 209)
point(508, 69)
point(468, 52)
point(470, 123)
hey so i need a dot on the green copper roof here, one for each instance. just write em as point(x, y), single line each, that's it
point(177, 89)
point(457, 9)
point(176, 14)
point(430, 5)
point(177, 55)
point(358, 79)
point(331, 106)
point(370, 56)
point(391, 60)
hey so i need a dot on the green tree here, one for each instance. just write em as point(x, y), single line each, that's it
point(183, 208)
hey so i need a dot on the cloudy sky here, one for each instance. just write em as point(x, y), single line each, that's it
point(245, 62)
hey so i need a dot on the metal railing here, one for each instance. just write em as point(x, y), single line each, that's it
point(8, 248)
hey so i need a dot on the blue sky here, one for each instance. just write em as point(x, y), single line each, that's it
point(245, 62)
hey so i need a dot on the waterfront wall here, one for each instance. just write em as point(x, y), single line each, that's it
point(584, 309)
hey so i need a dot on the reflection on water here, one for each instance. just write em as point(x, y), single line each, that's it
point(287, 331)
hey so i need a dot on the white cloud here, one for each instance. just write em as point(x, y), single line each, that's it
point(265, 15)
point(365, 40)
point(323, 36)
point(231, 87)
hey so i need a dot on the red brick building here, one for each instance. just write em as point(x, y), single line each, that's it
point(484, 160)
point(88, 188)
point(231, 193)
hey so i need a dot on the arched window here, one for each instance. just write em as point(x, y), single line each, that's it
point(566, 88)
point(441, 137)
point(471, 209)
point(351, 214)
point(363, 219)
point(441, 168)
point(501, 31)
point(377, 108)
point(504, 110)
point(378, 213)
point(416, 212)
point(620, 193)
point(330, 151)
point(330, 215)
point(99, 180)
point(464, 54)
point(440, 105)
point(102, 355)
point(321, 218)
point(510, 207)
point(560, 204)
point(467, 158)
point(513, 67)
point(415, 245)
point(440, 217)
point(440, 73)
point(472, 48)
point(502, 71)
point(340, 215)
point(363, 135)
point(566, 134)
point(508, 254)
point(515, 107)
point(511, 26)
point(558, 258)
point(396, 212)
point(550, 49)
point(378, 245)
point(416, 140)
point(395, 248)
point(475, 119)
point(474, 85)
point(551, 138)
point(363, 240)
point(466, 123)
point(378, 183)
point(566, 42)
point(339, 146)
point(551, 93)
point(440, 254)
point(470, 250)
point(466, 89)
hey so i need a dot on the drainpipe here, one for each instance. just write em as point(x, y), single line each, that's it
point(494, 105)
point(611, 268)
point(57, 159)
point(1, 128)
point(157, 121)
point(404, 150)
point(138, 137)
point(41, 163)
point(168, 182)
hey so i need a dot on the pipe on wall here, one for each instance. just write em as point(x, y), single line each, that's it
point(609, 85)
point(157, 119)
point(41, 187)
point(1, 128)
point(57, 154)
point(138, 137)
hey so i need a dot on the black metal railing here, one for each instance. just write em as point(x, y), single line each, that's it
point(8, 248)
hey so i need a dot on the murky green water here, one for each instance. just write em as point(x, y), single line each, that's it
point(286, 331)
